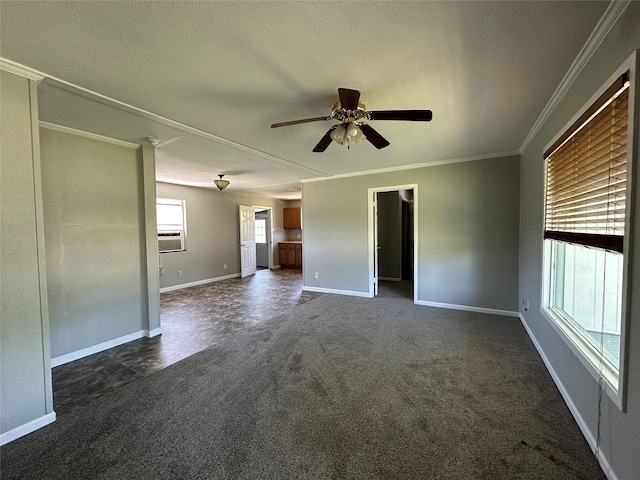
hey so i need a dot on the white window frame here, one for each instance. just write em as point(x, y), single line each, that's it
point(182, 229)
point(262, 221)
point(614, 383)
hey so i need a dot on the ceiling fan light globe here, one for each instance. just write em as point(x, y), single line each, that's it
point(339, 134)
point(355, 134)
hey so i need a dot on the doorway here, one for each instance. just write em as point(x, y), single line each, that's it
point(264, 243)
point(392, 247)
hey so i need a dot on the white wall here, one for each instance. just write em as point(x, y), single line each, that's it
point(620, 432)
point(467, 238)
point(26, 398)
point(212, 233)
point(95, 240)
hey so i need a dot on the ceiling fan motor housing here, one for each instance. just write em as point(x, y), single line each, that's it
point(345, 115)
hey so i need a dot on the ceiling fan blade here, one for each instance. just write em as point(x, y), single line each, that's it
point(374, 137)
point(412, 115)
point(348, 98)
point(296, 122)
point(324, 141)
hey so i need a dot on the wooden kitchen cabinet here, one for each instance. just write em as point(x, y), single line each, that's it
point(290, 255)
point(292, 217)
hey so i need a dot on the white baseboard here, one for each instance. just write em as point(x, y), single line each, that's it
point(604, 463)
point(27, 428)
point(336, 291)
point(390, 279)
point(276, 267)
point(154, 332)
point(493, 311)
point(199, 282)
point(85, 352)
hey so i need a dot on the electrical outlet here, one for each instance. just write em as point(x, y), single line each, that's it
point(225, 266)
point(525, 305)
point(316, 274)
point(179, 273)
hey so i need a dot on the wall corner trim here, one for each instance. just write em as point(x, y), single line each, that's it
point(21, 70)
point(27, 428)
point(154, 332)
point(606, 22)
point(492, 311)
point(335, 291)
point(602, 459)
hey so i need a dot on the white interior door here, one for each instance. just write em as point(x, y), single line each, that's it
point(376, 247)
point(247, 241)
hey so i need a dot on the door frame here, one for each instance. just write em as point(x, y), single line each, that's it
point(372, 234)
point(269, 231)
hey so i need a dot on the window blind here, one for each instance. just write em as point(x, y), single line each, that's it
point(586, 172)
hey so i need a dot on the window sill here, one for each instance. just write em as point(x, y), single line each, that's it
point(592, 360)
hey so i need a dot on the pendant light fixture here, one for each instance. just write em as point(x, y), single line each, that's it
point(220, 183)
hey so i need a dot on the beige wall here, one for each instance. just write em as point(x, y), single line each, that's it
point(25, 382)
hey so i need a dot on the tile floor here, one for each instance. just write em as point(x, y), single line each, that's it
point(192, 319)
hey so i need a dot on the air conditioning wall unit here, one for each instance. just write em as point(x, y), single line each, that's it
point(170, 241)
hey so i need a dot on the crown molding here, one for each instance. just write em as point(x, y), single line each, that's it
point(606, 22)
point(78, 90)
point(32, 74)
point(414, 166)
point(92, 136)
point(21, 70)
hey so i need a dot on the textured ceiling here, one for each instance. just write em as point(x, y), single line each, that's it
point(231, 69)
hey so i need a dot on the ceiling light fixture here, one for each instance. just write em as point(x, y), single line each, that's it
point(347, 133)
point(220, 183)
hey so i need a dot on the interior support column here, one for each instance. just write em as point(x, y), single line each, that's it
point(151, 240)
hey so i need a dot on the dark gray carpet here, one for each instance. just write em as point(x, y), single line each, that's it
point(339, 388)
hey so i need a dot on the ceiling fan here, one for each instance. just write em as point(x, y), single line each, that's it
point(352, 128)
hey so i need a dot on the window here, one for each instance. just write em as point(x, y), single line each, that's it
point(171, 219)
point(261, 230)
point(586, 195)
